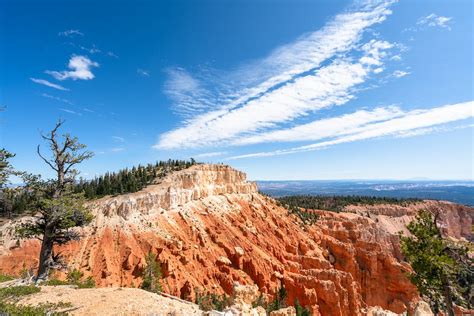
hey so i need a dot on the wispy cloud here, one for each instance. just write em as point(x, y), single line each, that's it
point(111, 54)
point(118, 139)
point(396, 58)
point(435, 20)
point(91, 50)
point(71, 33)
point(222, 92)
point(70, 111)
point(52, 97)
point(187, 92)
point(80, 69)
point(431, 130)
point(211, 154)
point(48, 84)
point(310, 91)
point(412, 123)
point(320, 129)
point(273, 99)
point(117, 149)
point(143, 72)
point(400, 73)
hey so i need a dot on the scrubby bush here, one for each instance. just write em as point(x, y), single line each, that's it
point(4, 278)
point(74, 277)
point(151, 274)
point(12, 309)
point(308, 217)
point(211, 301)
point(17, 291)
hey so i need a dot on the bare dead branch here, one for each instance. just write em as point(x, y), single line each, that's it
point(45, 160)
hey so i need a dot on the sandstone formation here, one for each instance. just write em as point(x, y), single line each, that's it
point(210, 228)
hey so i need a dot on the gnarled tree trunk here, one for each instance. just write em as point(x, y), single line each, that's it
point(46, 254)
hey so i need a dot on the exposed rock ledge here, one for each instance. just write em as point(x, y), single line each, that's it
point(179, 188)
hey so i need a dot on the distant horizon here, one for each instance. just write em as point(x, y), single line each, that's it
point(381, 179)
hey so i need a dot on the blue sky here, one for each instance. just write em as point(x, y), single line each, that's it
point(279, 89)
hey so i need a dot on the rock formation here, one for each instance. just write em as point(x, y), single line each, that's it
point(210, 228)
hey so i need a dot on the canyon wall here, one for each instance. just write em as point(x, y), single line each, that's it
point(209, 228)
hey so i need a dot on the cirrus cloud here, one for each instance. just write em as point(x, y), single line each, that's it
point(412, 123)
point(48, 84)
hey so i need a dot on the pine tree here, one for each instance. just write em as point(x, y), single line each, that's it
point(442, 269)
point(57, 207)
point(151, 274)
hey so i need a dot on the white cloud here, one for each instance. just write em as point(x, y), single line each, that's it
point(45, 95)
point(396, 58)
point(143, 72)
point(71, 33)
point(324, 87)
point(400, 73)
point(211, 154)
point(220, 91)
point(70, 111)
point(431, 130)
point(435, 20)
point(117, 149)
point(111, 54)
point(91, 50)
point(80, 69)
point(118, 139)
point(413, 123)
point(48, 84)
point(319, 129)
point(188, 94)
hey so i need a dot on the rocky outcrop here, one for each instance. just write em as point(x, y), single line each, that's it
point(210, 228)
point(178, 189)
point(455, 220)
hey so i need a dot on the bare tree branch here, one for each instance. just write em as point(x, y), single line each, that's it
point(45, 160)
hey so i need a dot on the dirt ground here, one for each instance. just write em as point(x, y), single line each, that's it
point(111, 301)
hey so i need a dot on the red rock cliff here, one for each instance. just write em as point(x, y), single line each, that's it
point(210, 227)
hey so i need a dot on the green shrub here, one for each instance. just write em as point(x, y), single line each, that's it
point(74, 277)
point(17, 291)
point(4, 278)
point(279, 301)
point(151, 274)
point(308, 217)
point(212, 301)
point(11, 309)
point(300, 310)
point(55, 282)
point(260, 301)
point(87, 284)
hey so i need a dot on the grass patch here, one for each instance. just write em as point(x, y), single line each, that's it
point(74, 277)
point(29, 310)
point(4, 278)
point(9, 306)
point(55, 282)
point(17, 291)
